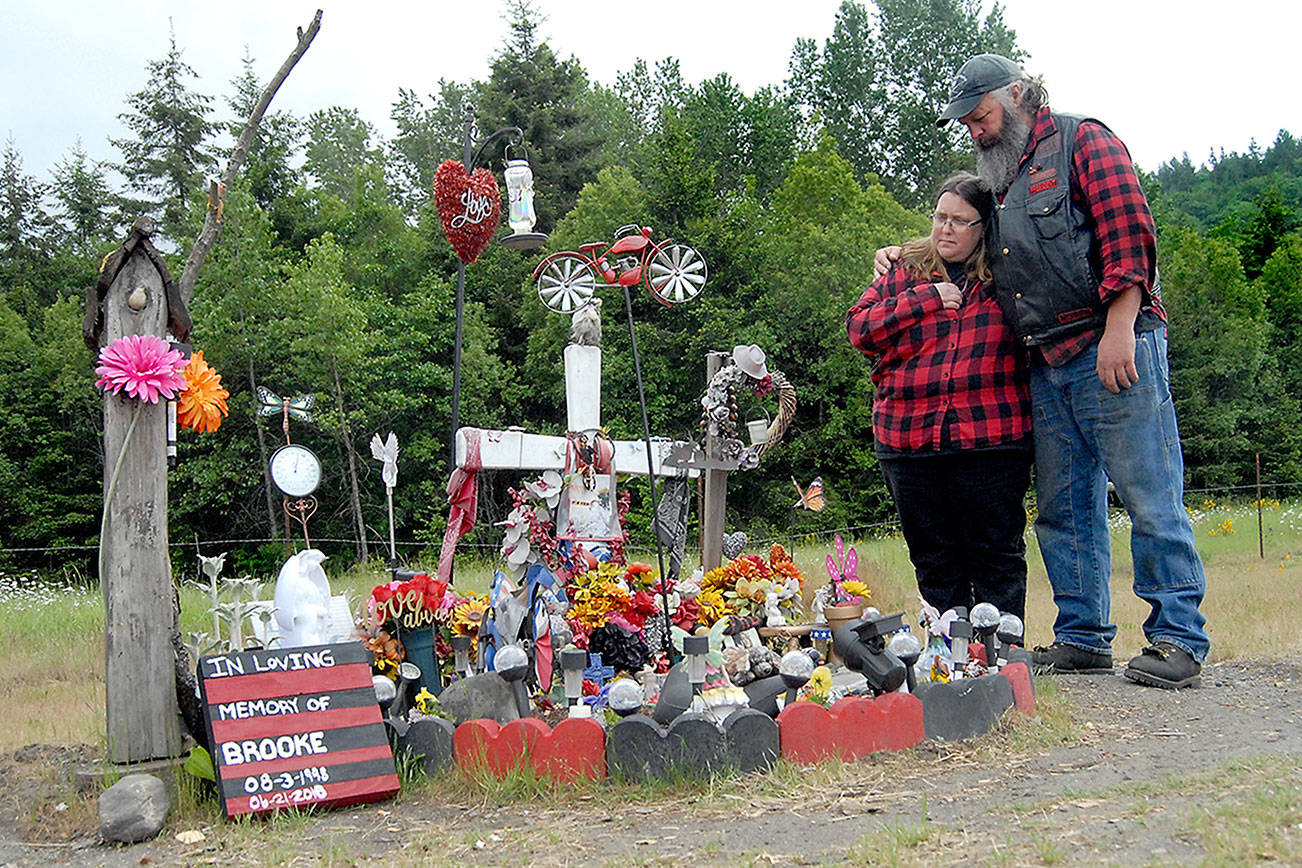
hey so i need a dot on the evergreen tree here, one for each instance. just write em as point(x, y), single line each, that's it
point(86, 204)
point(169, 153)
point(528, 87)
point(25, 237)
point(878, 85)
point(268, 171)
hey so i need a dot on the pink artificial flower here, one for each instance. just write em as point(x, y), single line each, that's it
point(144, 365)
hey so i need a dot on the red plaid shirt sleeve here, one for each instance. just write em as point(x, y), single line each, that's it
point(1104, 184)
point(934, 364)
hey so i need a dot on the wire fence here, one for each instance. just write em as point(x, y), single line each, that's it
point(489, 550)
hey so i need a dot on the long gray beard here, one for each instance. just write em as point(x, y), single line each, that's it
point(997, 164)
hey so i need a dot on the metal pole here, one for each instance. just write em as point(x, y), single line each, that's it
point(666, 641)
point(468, 126)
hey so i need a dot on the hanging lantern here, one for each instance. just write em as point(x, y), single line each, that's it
point(520, 209)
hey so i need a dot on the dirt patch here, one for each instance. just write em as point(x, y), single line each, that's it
point(1140, 776)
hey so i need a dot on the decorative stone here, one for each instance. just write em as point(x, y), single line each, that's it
point(430, 741)
point(485, 696)
point(488, 746)
point(751, 741)
point(638, 749)
point(1019, 676)
point(965, 708)
point(575, 749)
point(852, 728)
point(694, 746)
point(635, 749)
point(134, 809)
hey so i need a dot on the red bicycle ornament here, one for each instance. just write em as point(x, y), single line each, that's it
point(673, 273)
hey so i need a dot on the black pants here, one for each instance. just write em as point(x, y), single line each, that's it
point(964, 520)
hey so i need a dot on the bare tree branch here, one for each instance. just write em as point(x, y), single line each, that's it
point(212, 221)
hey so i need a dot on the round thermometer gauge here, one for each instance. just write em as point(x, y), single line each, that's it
point(295, 470)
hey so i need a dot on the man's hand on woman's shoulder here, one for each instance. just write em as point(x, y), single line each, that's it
point(885, 257)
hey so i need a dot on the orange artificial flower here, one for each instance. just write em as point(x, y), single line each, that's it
point(203, 403)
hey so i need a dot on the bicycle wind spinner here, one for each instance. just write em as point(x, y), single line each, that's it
point(673, 273)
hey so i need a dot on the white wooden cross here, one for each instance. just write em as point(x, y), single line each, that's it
point(515, 449)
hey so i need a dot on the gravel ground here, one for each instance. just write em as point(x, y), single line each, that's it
point(1145, 777)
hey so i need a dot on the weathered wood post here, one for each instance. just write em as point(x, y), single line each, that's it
point(131, 297)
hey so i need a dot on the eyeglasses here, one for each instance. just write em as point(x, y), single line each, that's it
point(939, 219)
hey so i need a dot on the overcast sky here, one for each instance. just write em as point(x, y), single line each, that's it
point(1169, 77)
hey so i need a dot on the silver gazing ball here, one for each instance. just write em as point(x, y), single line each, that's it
point(797, 667)
point(385, 690)
point(510, 659)
point(625, 696)
point(984, 616)
point(1011, 628)
point(872, 613)
point(904, 646)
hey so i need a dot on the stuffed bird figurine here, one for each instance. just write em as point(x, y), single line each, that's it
point(585, 324)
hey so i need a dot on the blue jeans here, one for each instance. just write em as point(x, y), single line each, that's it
point(1085, 435)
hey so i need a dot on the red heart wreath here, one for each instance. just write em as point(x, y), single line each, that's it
point(469, 207)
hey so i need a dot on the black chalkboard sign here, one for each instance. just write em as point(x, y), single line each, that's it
point(293, 727)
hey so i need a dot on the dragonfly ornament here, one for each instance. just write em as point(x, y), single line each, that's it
point(271, 404)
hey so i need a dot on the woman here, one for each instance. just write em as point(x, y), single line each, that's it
point(951, 417)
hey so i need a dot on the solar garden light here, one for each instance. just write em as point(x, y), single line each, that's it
point(796, 668)
point(862, 645)
point(385, 694)
point(985, 621)
point(385, 691)
point(1009, 632)
point(461, 652)
point(512, 663)
point(573, 662)
point(908, 648)
point(624, 698)
point(408, 675)
point(960, 634)
point(695, 648)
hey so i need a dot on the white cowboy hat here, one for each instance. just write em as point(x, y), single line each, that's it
point(751, 361)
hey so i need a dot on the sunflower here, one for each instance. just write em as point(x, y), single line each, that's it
point(713, 606)
point(468, 615)
point(203, 403)
point(855, 588)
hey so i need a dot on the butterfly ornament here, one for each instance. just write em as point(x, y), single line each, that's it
point(811, 498)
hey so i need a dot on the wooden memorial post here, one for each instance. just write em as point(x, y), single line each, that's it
point(135, 294)
point(520, 450)
point(139, 671)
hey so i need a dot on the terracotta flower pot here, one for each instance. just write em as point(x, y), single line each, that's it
point(837, 617)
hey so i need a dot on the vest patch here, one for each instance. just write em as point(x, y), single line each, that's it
point(1074, 315)
point(1041, 186)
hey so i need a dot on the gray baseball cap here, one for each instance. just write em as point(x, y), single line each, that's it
point(976, 78)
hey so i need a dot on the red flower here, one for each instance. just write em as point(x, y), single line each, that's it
point(643, 604)
point(689, 611)
point(590, 687)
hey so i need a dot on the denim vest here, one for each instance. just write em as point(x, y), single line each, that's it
point(1043, 255)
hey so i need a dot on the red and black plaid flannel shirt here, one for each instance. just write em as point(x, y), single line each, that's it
point(1104, 185)
point(932, 361)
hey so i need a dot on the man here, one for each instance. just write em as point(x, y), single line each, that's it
point(1074, 259)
